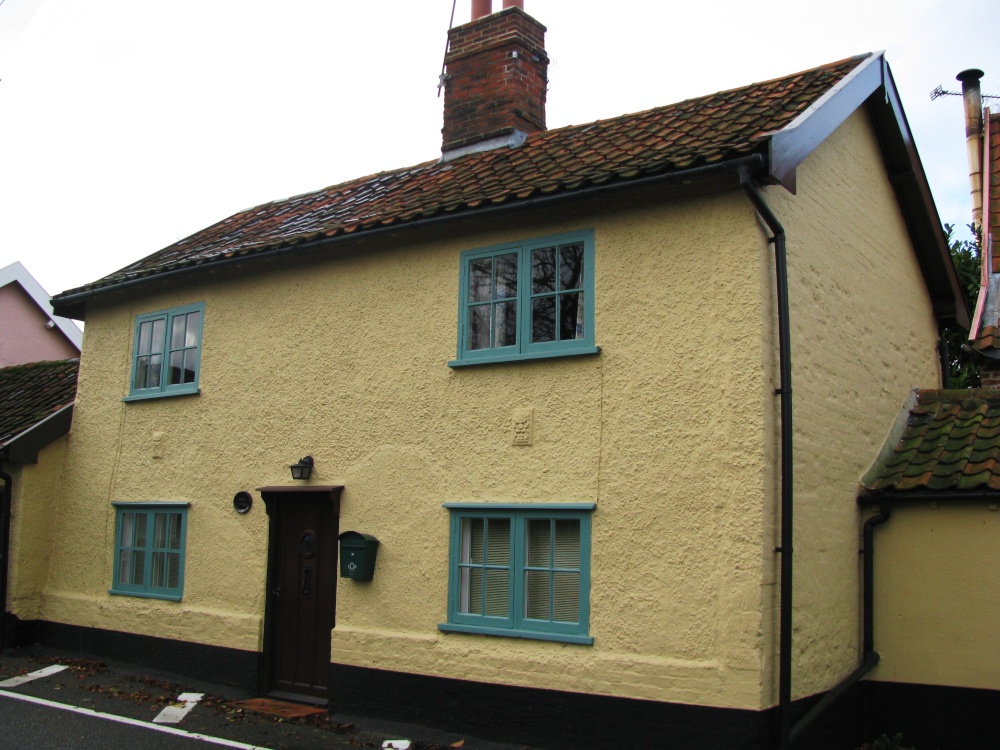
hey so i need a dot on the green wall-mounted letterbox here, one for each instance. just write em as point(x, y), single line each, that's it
point(357, 555)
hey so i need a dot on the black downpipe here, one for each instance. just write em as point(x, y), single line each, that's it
point(869, 656)
point(785, 392)
point(944, 352)
point(8, 494)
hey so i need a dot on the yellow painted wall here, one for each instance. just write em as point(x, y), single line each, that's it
point(346, 360)
point(671, 430)
point(937, 574)
point(862, 336)
point(35, 504)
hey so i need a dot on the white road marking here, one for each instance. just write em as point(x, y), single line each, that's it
point(132, 722)
point(174, 714)
point(15, 681)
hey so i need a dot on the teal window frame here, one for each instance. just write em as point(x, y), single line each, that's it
point(163, 351)
point(517, 624)
point(522, 301)
point(147, 548)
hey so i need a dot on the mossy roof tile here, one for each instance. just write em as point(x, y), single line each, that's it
point(951, 443)
point(30, 393)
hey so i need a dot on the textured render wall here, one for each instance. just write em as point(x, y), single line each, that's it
point(23, 335)
point(862, 336)
point(937, 571)
point(35, 506)
point(346, 360)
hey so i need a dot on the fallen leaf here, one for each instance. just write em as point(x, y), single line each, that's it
point(460, 743)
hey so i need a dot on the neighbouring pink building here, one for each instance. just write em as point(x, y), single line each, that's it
point(29, 332)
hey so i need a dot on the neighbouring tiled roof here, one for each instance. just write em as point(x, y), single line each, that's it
point(951, 442)
point(30, 393)
point(701, 131)
point(988, 338)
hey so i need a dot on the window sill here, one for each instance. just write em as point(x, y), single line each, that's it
point(162, 394)
point(146, 595)
point(447, 627)
point(500, 358)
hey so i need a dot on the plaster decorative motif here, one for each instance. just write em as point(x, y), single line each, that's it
point(523, 423)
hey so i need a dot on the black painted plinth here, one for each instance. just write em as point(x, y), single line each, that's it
point(224, 666)
point(928, 716)
point(551, 719)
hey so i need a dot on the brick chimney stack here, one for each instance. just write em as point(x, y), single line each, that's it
point(496, 77)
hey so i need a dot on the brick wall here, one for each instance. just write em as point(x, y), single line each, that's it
point(497, 70)
point(990, 374)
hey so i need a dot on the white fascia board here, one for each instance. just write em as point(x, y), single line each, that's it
point(790, 145)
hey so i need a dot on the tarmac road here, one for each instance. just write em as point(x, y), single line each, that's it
point(92, 704)
point(27, 726)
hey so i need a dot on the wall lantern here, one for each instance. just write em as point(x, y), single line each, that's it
point(303, 469)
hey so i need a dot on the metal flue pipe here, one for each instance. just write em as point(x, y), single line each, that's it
point(973, 101)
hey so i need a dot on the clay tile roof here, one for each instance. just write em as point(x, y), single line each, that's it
point(701, 131)
point(30, 393)
point(951, 442)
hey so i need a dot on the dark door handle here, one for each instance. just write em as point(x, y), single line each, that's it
point(277, 591)
point(306, 581)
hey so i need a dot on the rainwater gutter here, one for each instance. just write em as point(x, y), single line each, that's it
point(8, 495)
point(733, 166)
point(784, 391)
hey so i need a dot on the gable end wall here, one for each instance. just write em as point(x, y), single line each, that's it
point(862, 336)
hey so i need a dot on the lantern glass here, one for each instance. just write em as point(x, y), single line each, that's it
point(303, 469)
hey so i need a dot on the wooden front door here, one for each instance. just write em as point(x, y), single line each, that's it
point(302, 591)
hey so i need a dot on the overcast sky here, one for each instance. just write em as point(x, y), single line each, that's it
point(127, 125)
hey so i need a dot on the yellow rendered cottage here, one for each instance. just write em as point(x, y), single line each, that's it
point(536, 399)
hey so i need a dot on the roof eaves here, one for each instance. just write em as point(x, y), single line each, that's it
point(71, 303)
point(23, 448)
point(910, 497)
point(793, 143)
point(916, 203)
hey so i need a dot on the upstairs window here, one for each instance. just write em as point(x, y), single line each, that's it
point(527, 300)
point(166, 353)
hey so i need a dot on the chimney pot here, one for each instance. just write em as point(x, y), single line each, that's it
point(972, 75)
point(481, 8)
point(513, 4)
